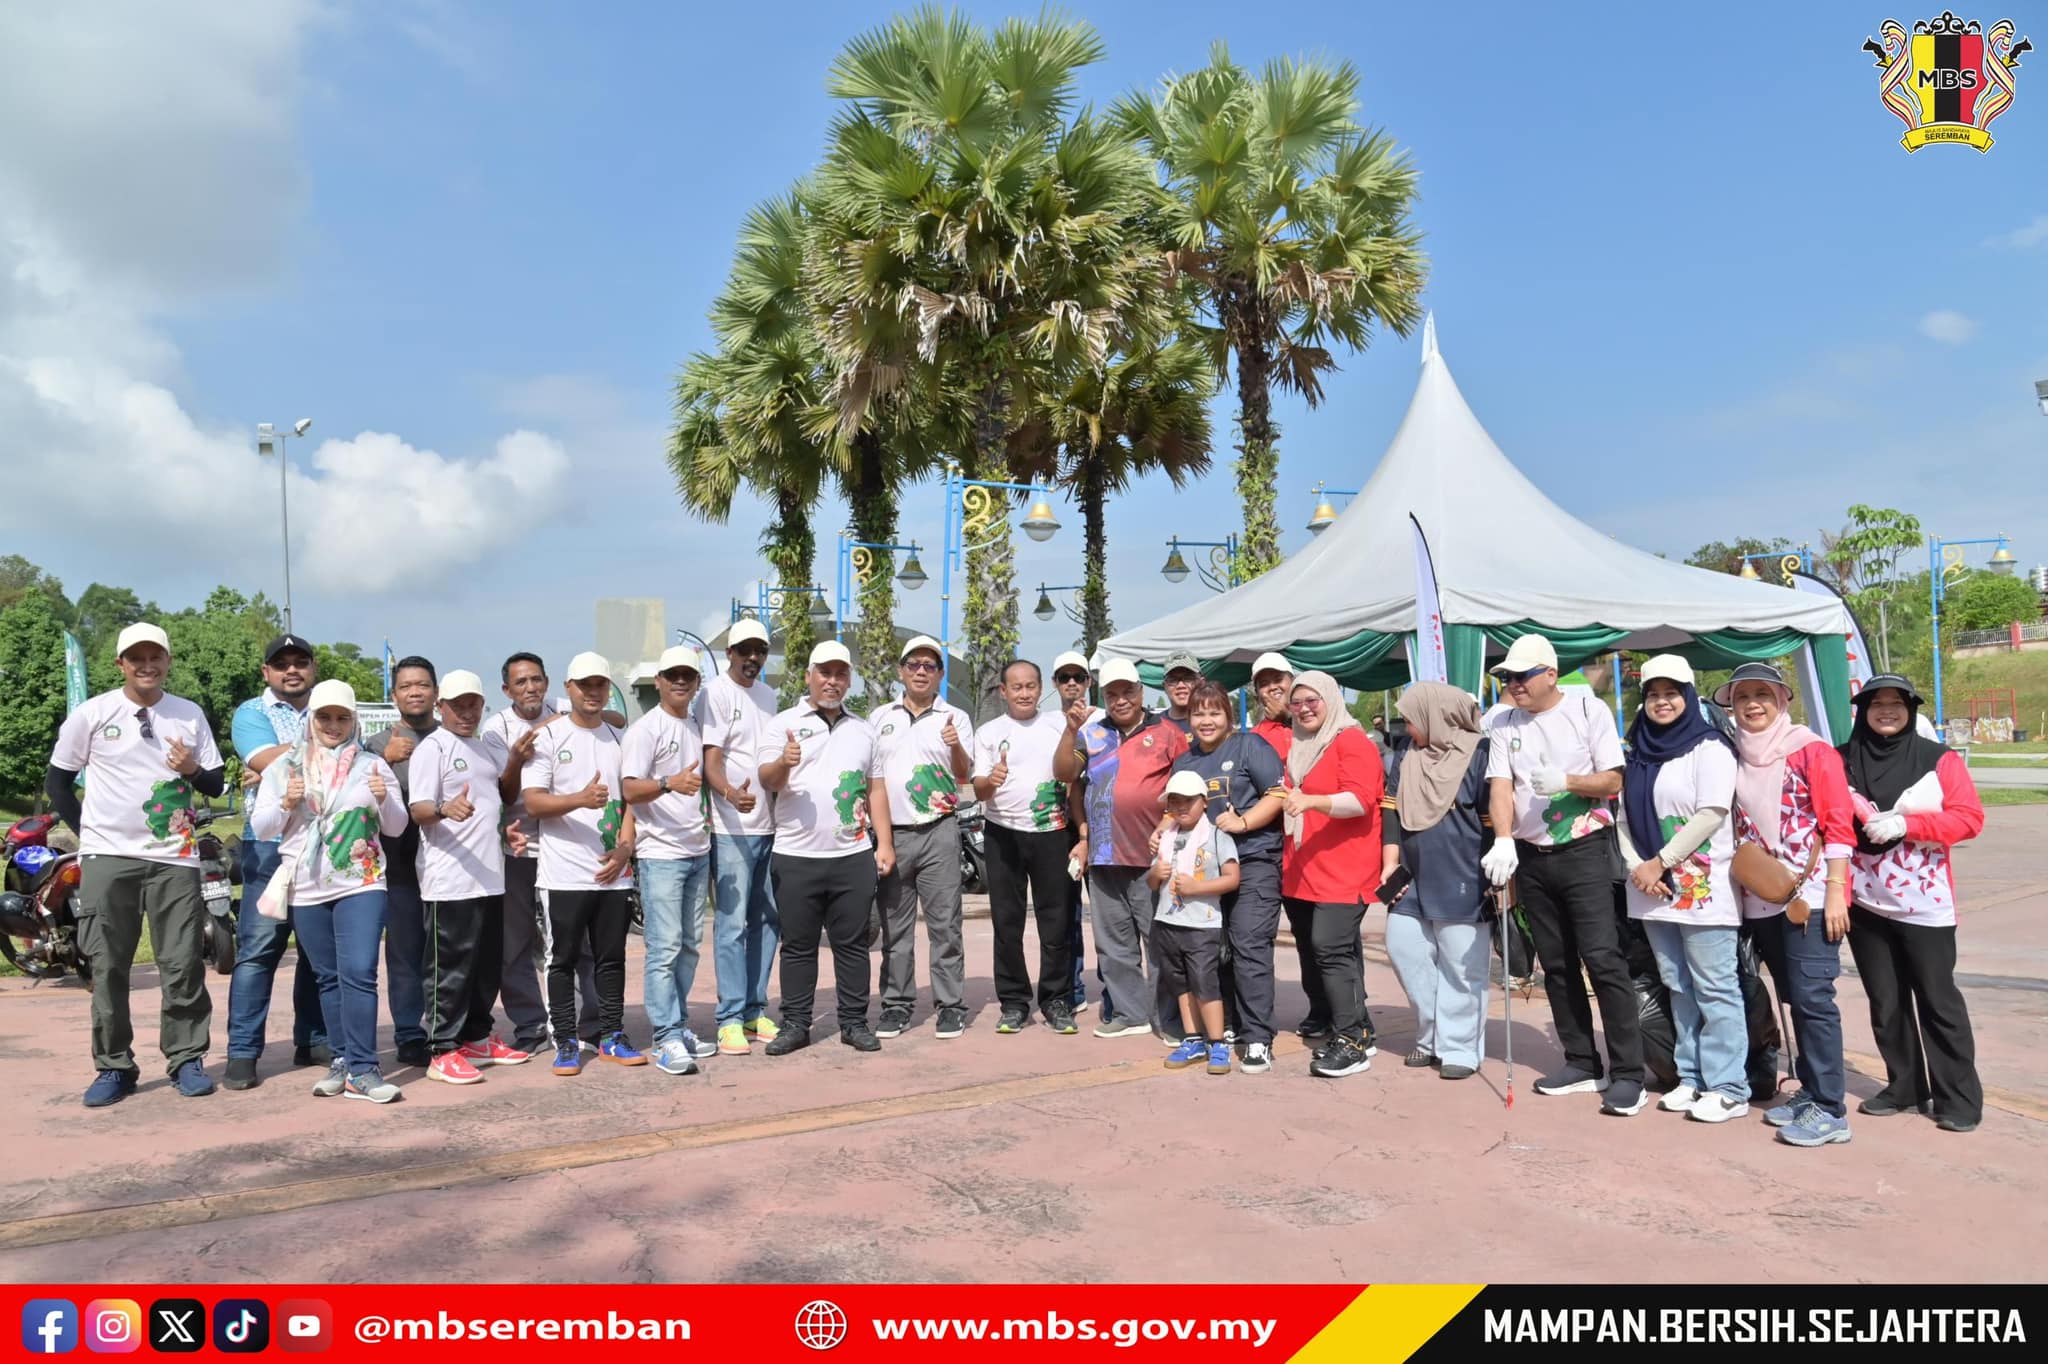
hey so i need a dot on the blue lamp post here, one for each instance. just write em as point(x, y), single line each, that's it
point(971, 510)
point(1218, 568)
point(1326, 511)
point(857, 568)
point(1945, 560)
point(1789, 561)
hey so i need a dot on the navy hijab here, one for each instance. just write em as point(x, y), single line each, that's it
point(1650, 746)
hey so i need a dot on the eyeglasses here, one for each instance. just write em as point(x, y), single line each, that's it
point(920, 665)
point(1070, 677)
point(1306, 703)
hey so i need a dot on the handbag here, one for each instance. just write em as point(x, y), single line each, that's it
point(1760, 873)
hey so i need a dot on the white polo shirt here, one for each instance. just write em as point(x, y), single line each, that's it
point(1575, 736)
point(509, 728)
point(1029, 800)
point(672, 825)
point(136, 804)
point(460, 859)
point(917, 763)
point(823, 811)
point(735, 721)
point(573, 845)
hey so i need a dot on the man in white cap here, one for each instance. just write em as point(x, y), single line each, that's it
point(923, 745)
point(1028, 841)
point(1554, 772)
point(744, 928)
point(1070, 679)
point(1182, 671)
point(573, 785)
point(820, 761)
point(455, 802)
point(149, 752)
point(664, 783)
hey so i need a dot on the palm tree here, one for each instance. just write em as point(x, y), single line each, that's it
point(1293, 220)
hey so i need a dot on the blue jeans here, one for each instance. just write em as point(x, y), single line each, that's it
point(672, 893)
point(745, 927)
point(405, 960)
point(1709, 1027)
point(341, 937)
point(1443, 965)
point(1804, 964)
point(259, 947)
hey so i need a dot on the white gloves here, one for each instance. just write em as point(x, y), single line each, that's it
point(1885, 828)
point(1074, 867)
point(1500, 861)
point(1547, 781)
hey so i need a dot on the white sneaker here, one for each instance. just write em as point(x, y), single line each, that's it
point(1258, 1059)
point(675, 1058)
point(1680, 1099)
point(698, 1048)
point(1718, 1107)
point(333, 1082)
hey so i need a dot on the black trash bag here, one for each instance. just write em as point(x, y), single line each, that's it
point(1765, 1044)
point(1653, 1020)
point(1653, 1007)
point(1514, 945)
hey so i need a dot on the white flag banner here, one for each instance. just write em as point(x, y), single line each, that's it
point(1426, 655)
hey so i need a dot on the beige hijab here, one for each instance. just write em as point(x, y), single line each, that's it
point(1310, 744)
point(1431, 775)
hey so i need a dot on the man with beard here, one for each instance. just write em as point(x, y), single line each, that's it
point(745, 927)
point(524, 680)
point(405, 942)
point(1070, 681)
point(263, 730)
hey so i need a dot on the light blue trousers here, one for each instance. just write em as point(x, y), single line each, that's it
point(1443, 967)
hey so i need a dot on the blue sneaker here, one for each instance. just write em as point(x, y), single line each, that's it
point(1815, 1127)
point(192, 1080)
point(110, 1087)
point(619, 1051)
point(569, 1059)
point(1219, 1058)
point(1787, 1113)
point(1191, 1051)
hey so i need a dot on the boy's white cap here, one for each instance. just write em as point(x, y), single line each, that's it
point(917, 642)
point(460, 683)
point(332, 692)
point(1526, 655)
point(830, 651)
point(588, 664)
point(1069, 659)
point(1272, 663)
point(1670, 667)
point(141, 632)
point(1118, 670)
point(678, 656)
point(1185, 783)
point(745, 630)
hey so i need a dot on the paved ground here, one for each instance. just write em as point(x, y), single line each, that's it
point(1026, 1158)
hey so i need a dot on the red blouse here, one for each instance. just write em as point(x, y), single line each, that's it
point(1337, 861)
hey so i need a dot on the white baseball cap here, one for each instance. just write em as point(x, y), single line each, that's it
point(830, 651)
point(1670, 667)
point(916, 642)
point(1118, 670)
point(1272, 663)
point(744, 630)
point(332, 692)
point(142, 632)
point(678, 656)
point(1186, 783)
point(587, 664)
point(1070, 659)
point(460, 683)
point(1526, 655)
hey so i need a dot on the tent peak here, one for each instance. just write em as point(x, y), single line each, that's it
point(1428, 337)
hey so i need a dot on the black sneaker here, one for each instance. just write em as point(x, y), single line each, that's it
point(414, 1053)
point(793, 1037)
point(894, 1021)
point(952, 1021)
point(1885, 1106)
point(1951, 1124)
point(241, 1073)
point(1455, 1072)
point(1624, 1099)
point(1572, 1080)
point(1061, 1020)
point(1312, 1028)
point(1013, 1020)
point(860, 1037)
point(1418, 1058)
point(319, 1054)
point(1342, 1057)
point(1371, 1043)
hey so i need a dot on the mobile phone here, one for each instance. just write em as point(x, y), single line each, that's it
point(1391, 889)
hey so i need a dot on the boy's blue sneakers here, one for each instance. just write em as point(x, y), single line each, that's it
point(618, 1050)
point(1219, 1058)
point(192, 1080)
point(1191, 1051)
point(110, 1087)
point(569, 1059)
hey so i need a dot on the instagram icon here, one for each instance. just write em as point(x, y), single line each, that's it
point(113, 1326)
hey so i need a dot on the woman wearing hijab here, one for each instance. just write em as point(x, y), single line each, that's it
point(1332, 859)
point(1677, 789)
point(1915, 801)
point(1792, 800)
point(328, 800)
point(1436, 930)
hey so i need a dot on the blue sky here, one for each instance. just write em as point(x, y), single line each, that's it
point(1683, 270)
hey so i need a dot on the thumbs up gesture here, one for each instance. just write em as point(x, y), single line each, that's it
point(743, 798)
point(792, 751)
point(1000, 773)
point(687, 782)
point(459, 808)
point(950, 735)
point(594, 795)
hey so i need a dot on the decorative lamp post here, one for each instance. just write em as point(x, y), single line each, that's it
point(1326, 512)
point(971, 509)
point(857, 569)
point(1947, 559)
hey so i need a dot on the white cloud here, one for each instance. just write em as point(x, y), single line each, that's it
point(2034, 233)
point(1948, 327)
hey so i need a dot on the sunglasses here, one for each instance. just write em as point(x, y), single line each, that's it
point(919, 665)
point(1070, 677)
point(1520, 679)
point(148, 730)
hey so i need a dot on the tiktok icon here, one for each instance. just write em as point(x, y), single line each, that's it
point(241, 1326)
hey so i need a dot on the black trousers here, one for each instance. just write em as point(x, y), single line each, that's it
point(1917, 1013)
point(570, 920)
point(1251, 918)
point(1569, 896)
point(465, 963)
point(829, 898)
point(1301, 923)
point(1034, 860)
point(1339, 962)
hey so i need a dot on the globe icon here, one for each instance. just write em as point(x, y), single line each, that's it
point(820, 1324)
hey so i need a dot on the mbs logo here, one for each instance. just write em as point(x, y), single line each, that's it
point(1947, 79)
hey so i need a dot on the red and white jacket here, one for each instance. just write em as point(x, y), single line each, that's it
point(1913, 881)
point(1815, 805)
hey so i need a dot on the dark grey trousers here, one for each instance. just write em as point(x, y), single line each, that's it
point(927, 873)
point(114, 895)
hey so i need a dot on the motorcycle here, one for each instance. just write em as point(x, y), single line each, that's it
point(220, 880)
point(38, 927)
point(973, 858)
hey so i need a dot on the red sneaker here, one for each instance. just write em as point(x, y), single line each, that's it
point(451, 1068)
point(492, 1052)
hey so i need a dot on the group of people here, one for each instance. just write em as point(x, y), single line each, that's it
point(490, 860)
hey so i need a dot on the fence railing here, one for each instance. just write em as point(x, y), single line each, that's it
point(1977, 639)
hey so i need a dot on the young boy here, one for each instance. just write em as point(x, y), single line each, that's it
point(1196, 868)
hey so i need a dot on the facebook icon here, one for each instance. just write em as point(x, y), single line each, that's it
point(49, 1326)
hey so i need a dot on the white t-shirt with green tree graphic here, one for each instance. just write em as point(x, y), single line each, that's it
point(1029, 800)
point(1577, 737)
point(135, 804)
point(823, 811)
point(917, 763)
point(572, 846)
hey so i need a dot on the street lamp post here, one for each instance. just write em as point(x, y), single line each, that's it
point(270, 441)
point(1045, 609)
point(857, 568)
point(1789, 561)
point(2041, 395)
point(1218, 569)
point(1945, 560)
point(1325, 511)
point(970, 511)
